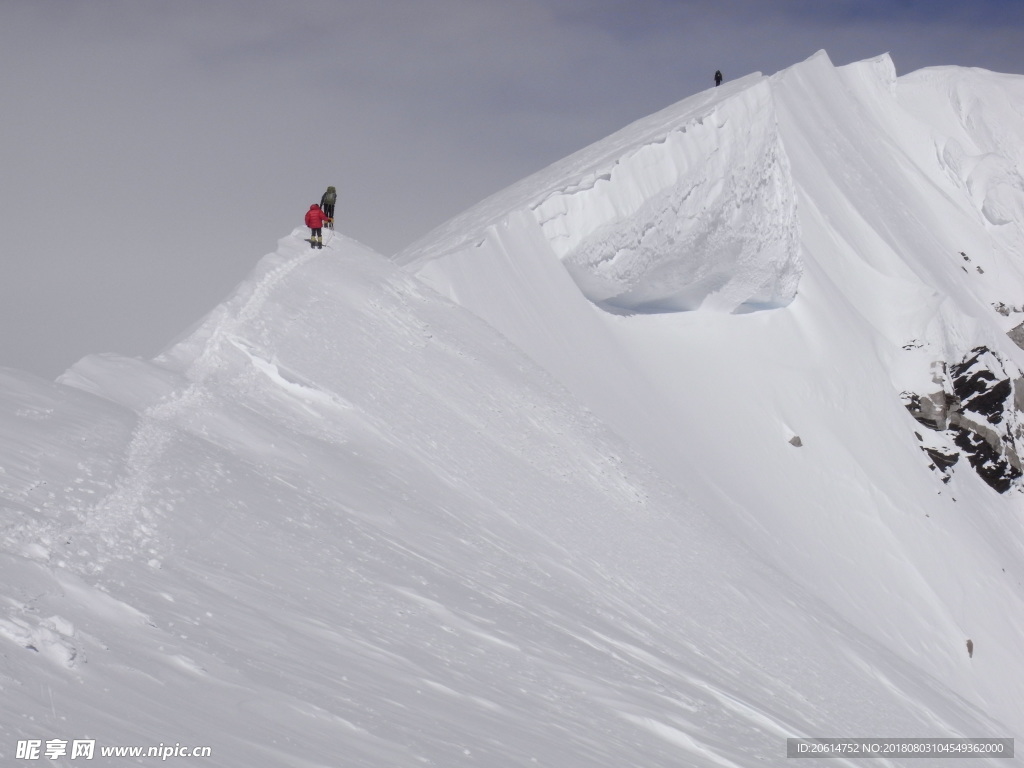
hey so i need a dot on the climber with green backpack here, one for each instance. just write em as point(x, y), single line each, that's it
point(327, 202)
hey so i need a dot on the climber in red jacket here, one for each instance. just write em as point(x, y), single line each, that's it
point(315, 220)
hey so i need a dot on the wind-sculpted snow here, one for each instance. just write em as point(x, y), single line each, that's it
point(706, 218)
point(691, 207)
point(978, 126)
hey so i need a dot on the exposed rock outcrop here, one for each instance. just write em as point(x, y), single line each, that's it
point(976, 413)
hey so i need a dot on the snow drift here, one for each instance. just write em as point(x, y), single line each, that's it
point(702, 438)
point(691, 207)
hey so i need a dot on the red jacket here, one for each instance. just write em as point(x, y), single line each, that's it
point(316, 218)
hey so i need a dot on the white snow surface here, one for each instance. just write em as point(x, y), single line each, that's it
point(531, 492)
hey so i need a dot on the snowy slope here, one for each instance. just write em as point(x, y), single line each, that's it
point(903, 277)
point(532, 492)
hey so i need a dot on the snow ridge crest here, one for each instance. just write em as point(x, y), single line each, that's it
point(693, 207)
point(705, 217)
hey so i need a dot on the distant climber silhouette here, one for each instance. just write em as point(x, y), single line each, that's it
point(970, 648)
point(718, 77)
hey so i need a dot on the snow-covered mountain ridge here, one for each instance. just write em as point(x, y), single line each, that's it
point(627, 465)
point(696, 206)
point(690, 206)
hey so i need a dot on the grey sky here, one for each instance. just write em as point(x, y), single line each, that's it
point(151, 152)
